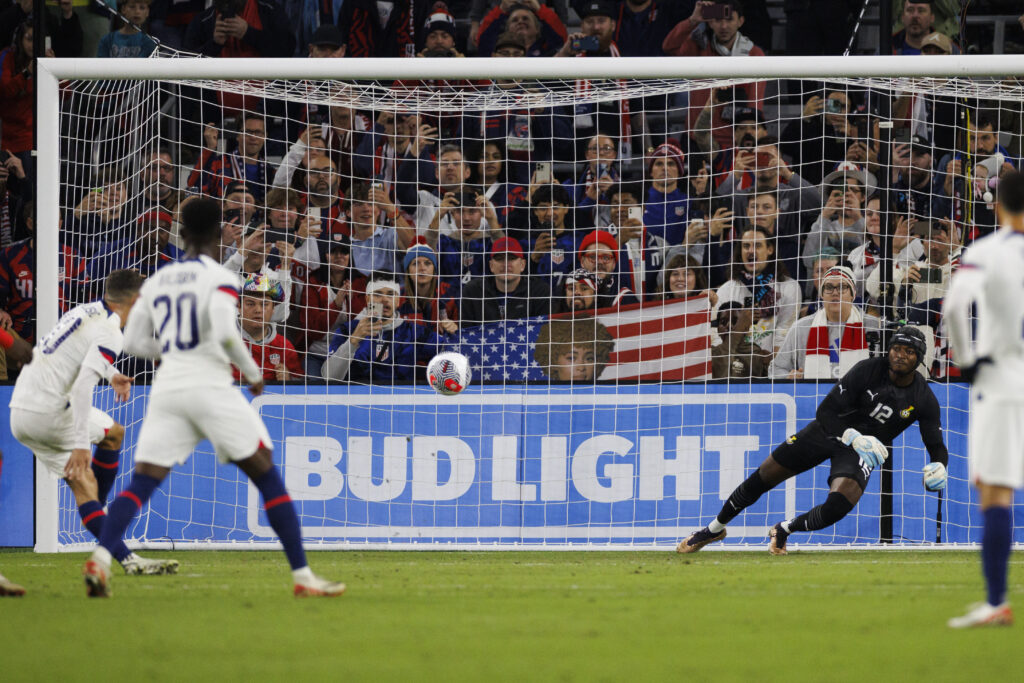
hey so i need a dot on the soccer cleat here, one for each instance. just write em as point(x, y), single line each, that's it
point(778, 536)
point(10, 589)
point(97, 579)
point(135, 565)
point(317, 587)
point(699, 539)
point(984, 614)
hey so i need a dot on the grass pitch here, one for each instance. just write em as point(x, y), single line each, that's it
point(862, 616)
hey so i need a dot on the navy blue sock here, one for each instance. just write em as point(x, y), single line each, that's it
point(995, 552)
point(93, 517)
point(123, 509)
point(281, 514)
point(104, 468)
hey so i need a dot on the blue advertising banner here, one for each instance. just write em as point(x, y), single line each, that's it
point(642, 464)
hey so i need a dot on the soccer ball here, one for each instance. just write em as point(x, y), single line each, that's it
point(448, 373)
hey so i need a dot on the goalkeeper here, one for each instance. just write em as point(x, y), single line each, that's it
point(855, 425)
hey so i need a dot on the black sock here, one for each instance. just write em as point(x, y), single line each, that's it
point(745, 495)
point(835, 507)
point(104, 467)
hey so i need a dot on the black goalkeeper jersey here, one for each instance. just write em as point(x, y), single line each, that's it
point(867, 400)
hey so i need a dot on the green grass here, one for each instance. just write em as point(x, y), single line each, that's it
point(863, 616)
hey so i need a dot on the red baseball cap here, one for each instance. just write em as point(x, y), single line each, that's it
point(507, 245)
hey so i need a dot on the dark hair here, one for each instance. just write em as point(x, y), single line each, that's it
point(633, 188)
point(122, 285)
point(20, 61)
point(359, 192)
point(1011, 192)
point(562, 334)
point(201, 221)
point(683, 260)
point(986, 119)
point(736, 267)
point(550, 193)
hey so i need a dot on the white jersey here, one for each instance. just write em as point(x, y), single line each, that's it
point(190, 307)
point(991, 276)
point(87, 336)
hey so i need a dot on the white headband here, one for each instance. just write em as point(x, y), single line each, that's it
point(378, 285)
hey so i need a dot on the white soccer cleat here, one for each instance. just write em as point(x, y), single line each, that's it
point(135, 565)
point(97, 579)
point(317, 587)
point(984, 614)
point(10, 589)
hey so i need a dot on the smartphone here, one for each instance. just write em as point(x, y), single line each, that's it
point(636, 212)
point(931, 275)
point(232, 215)
point(718, 10)
point(834, 106)
point(48, 43)
point(375, 310)
point(764, 160)
point(4, 156)
point(586, 44)
point(543, 173)
point(314, 212)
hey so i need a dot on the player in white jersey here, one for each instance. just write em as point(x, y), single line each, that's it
point(52, 413)
point(186, 318)
point(991, 278)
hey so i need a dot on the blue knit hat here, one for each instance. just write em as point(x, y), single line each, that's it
point(416, 251)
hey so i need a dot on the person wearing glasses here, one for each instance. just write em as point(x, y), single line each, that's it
point(829, 342)
point(599, 254)
point(841, 224)
point(600, 172)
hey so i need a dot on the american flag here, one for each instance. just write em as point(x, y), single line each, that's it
point(657, 340)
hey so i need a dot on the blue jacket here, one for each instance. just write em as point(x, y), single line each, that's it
point(393, 355)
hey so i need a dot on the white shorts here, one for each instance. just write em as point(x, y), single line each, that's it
point(51, 437)
point(177, 421)
point(997, 441)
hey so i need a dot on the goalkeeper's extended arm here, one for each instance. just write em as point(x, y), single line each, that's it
point(869, 448)
point(223, 315)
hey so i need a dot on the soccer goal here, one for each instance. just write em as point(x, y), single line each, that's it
point(679, 215)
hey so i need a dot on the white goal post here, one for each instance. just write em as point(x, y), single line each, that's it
point(944, 75)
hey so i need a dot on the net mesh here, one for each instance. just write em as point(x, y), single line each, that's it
point(642, 341)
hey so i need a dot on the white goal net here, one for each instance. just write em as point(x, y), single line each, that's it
point(656, 269)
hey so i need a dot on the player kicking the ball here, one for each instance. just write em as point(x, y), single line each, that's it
point(989, 278)
point(869, 407)
point(52, 413)
point(186, 318)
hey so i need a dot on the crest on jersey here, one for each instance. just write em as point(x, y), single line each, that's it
point(905, 413)
point(680, 210)
point(275, 359)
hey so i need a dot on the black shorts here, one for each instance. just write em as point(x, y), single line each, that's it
point(810, 447)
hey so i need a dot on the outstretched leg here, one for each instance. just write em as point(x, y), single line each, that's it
point(285, 521)
point(766, 477)
point(120, 513)
point(843, 497)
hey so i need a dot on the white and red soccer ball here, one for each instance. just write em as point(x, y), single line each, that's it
point(449, 373)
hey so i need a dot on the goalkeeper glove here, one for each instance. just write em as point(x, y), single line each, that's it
point(935, 476)
point(869, 448)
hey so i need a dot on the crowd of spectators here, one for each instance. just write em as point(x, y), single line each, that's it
point(368, 239)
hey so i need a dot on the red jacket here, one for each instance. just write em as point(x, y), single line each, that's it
point(16, 95)
point(680, 43)
point(275, 352)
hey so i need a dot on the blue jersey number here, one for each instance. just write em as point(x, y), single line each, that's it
point(186, 322)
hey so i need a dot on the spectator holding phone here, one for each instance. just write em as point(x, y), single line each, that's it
point(822, 137)
point(241, 28)
point(17, 94)
point(462, 254)
point(246, 162)
point(600, 254)
point(841, 223)
point(599, 173)
point(641, 250)
point(288, 222)
point(378, 229)
point(380, 346)
point(719, 35)
point(254, 258)
point(551, 235)
point(239, 212)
